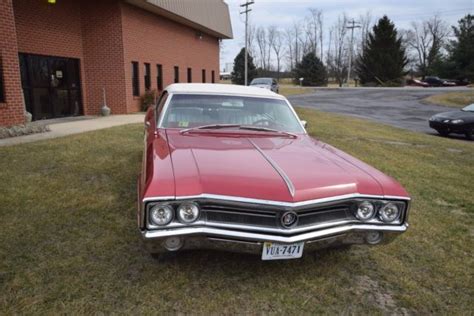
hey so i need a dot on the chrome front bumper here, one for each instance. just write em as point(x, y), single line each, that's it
point(251, 242)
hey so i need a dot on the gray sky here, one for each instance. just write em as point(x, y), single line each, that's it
point(282, 13)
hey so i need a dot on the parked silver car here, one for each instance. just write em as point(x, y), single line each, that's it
point(266, 83)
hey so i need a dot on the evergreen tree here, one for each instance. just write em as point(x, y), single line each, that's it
point(312, 70)
point(383, 57)
point(462, 49)
point(238, 74)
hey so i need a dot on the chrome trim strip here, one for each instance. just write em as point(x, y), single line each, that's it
point(283, 175)
point(214, 232)
point(274, 203)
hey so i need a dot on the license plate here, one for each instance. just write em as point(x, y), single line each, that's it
point(275, 251)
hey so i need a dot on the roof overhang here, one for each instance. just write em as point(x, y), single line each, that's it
point(209, 16)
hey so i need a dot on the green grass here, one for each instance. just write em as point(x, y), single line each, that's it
point(69, 243)
point(452, 99)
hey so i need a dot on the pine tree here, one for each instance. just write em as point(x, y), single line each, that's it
point(238, 73)
point(312, 70)
point(383, 57)
point(462, 49)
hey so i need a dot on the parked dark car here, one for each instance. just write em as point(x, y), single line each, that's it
point(417, 83)
point(456, 122)
point(437, 82)
point(266, 83)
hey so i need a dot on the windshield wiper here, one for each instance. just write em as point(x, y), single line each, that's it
point(211, 126)
point(266, 129)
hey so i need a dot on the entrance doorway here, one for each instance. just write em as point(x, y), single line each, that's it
point(51, 86)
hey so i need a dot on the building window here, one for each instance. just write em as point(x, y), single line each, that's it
point(135, 79)
point(147, 76)
point(176, 74)
point(204, 76)
point(213, 76)
point(159, 77)
point(190, 75)
point(2, 85)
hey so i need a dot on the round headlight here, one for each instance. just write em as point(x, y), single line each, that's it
point(365, 211)
point(389, 212)
point(188, 212)
point(161, 214)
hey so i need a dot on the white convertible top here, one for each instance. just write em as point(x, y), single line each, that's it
point(226, 89)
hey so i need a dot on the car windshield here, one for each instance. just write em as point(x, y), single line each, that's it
point(261, 81)
point(189, 110)
point(469, 108)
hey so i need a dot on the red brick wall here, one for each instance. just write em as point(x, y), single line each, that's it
point(103, 55)
point(149, 38)
point(12, 111)
point(49, 29)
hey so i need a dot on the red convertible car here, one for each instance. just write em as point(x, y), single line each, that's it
point(232, 168)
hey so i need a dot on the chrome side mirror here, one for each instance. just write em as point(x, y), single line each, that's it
point(304, 123)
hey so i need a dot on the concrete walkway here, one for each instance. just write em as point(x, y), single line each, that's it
point(60, 128)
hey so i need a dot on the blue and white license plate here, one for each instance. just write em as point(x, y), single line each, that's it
point(276, 251)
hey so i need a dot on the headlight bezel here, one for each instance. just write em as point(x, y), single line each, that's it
point(379, 204)
point(180, 217)
point(167, 206)
point(457, 121)
point(383, 217)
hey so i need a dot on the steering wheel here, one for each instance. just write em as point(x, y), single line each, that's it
point(268, 121)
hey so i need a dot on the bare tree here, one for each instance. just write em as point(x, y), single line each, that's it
point(338, 57)
point(278, 49)
point(315, 32)
point(271, 33)
point(262, 43)
point(365, 21)
point(426, 39)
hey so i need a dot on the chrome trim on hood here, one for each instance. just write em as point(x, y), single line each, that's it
point(283, 175)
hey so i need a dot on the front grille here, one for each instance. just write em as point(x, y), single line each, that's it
point(221, 214)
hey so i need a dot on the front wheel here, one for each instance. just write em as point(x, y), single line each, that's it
point(470, 133)
point(443, 132)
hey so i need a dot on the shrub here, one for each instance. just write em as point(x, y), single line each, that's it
point(147, 99)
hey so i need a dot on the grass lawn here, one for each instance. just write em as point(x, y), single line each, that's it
point(286, 90)
point(68, 238)
point(458, 99)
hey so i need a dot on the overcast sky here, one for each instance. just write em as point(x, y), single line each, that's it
point(282, 13)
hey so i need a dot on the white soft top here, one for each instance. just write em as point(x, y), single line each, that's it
point(225, 89)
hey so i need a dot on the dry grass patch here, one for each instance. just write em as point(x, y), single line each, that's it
point(458, 99)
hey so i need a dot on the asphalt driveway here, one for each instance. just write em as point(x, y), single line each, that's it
point(400, 107)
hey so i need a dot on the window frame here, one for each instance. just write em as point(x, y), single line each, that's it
point(2, 83)
point(147, 76)
point(135, 79)
point(159, 77)
point(190, 75)
point(176, 74)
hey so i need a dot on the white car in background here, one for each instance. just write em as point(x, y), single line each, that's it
point(266, 83)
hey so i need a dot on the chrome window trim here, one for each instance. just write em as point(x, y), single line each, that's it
point(278, 97)
point(272, 202)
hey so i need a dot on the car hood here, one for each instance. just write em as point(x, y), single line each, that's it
point(453, 115)
point(269, 168)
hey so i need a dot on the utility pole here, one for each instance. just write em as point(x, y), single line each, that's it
point(352, 25)
point(246, 12)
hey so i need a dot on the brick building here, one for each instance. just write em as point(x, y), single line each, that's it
point(58, 56)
